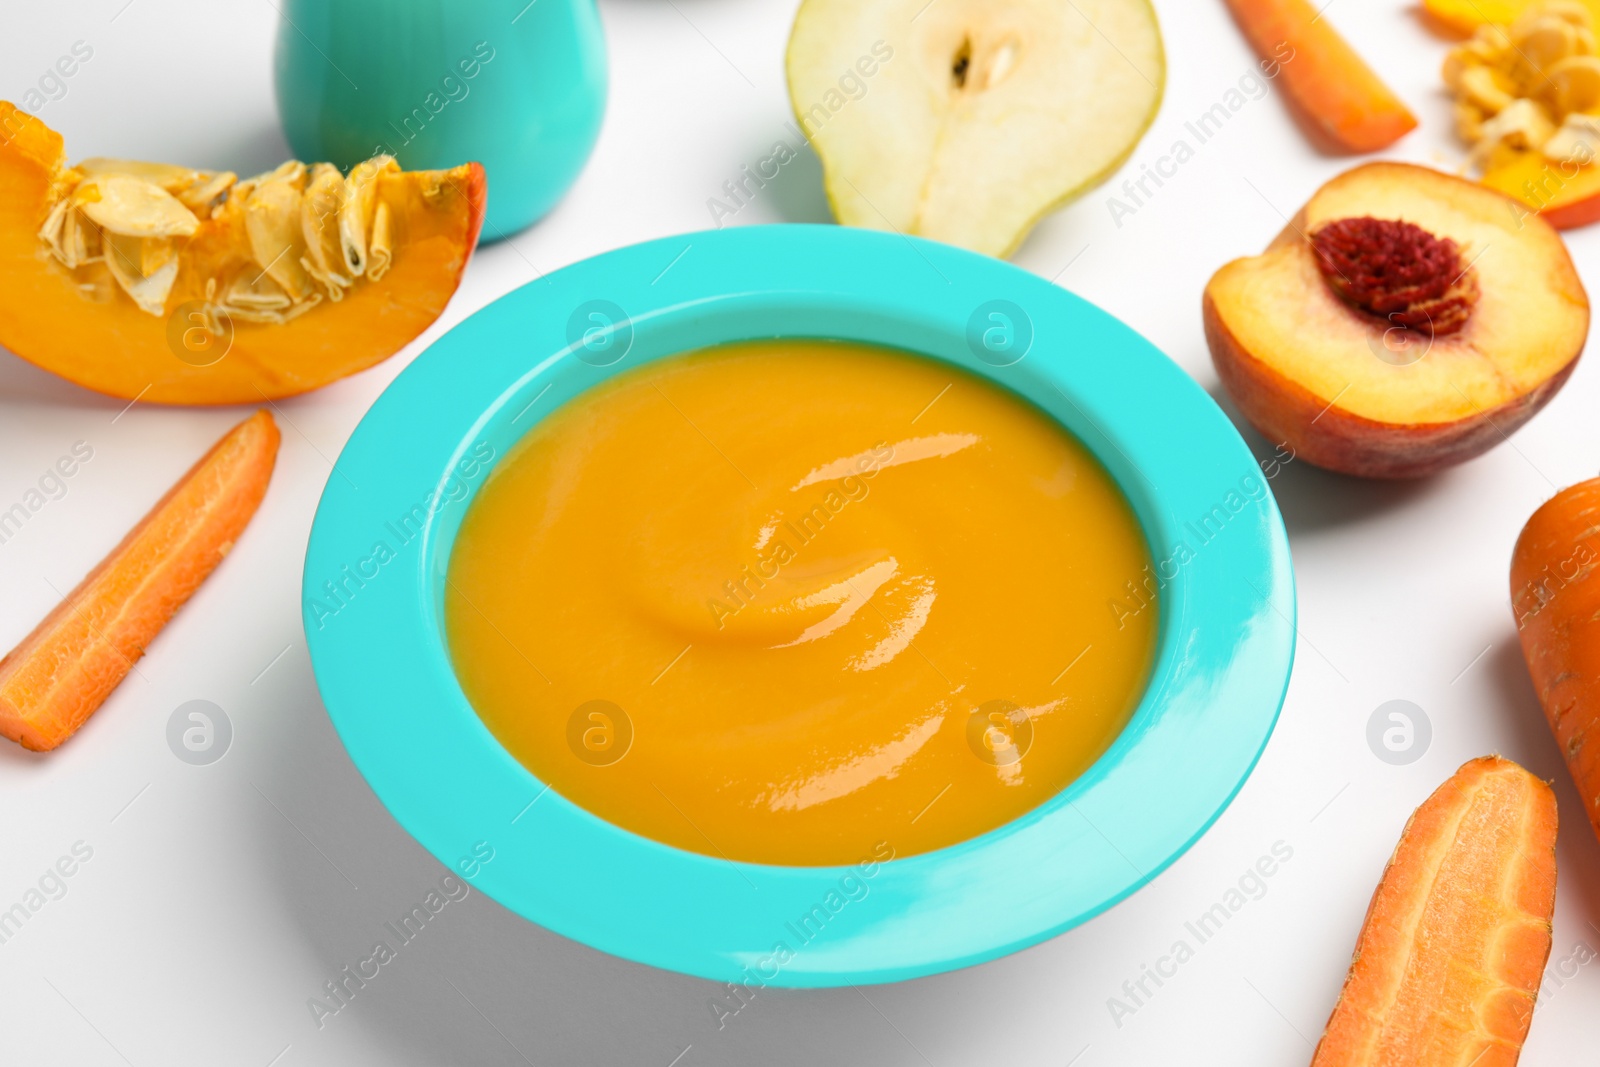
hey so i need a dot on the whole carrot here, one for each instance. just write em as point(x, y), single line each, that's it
point(61, 672)
point(1556, 602)
point(1448, 964)
point(1333, 90)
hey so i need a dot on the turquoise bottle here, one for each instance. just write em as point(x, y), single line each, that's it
point(518, 86)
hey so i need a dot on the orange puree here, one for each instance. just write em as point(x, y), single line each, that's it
point(778, 602)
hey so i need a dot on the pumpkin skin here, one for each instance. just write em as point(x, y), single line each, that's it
point(79, 324)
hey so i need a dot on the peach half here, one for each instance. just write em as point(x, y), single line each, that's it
point(1404, 321)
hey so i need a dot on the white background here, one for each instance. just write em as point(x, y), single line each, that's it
point(220, 898)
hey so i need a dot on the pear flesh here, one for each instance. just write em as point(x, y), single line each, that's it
point(978, 116)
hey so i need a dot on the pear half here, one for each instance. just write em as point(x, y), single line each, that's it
point(967, 120)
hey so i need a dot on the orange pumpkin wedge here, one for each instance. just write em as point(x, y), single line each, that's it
point(1447, 967)
point(1566, 195)
point(1465, 16)
point(181, 286)
point(63, 671)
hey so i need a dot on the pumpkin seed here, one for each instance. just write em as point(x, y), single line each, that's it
point(201, 197)
point(1577, 141)
point(319, 225)
point(1543, 40)
point(1487, 88)
point(1575, 85)
point(356, 214)
point(126, 205)
point(167, 175)
point(380, 248)
point(144, 269)
point(277, 243)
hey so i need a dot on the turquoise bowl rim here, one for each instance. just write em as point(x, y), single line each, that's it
point(373, 617)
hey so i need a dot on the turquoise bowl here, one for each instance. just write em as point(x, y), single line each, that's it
point(515, 85)
point(375, 573)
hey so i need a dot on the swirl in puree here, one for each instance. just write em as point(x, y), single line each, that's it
point(781, 601)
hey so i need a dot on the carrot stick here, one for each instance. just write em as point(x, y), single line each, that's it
point(61, 672)
point(1448, 963)
point(1556, 602)
point(1344, 105)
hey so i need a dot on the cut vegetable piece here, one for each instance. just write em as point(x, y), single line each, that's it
point(1526, 97)
point(1406, 349)
point(1449, 960)
point(55, 679)
point(1465, 16)
point(1566, 195)
point(968, 120)
point(1555, 598)
point(1340, 100)
point(181, 286)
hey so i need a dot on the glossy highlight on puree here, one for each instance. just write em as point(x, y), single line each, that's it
point(782, 601)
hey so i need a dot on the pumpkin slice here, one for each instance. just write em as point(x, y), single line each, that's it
point(180, 286)
point(1465, 16)
point(1566, 195)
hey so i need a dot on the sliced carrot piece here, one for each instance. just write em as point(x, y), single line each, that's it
point(1336, 95)
point(1555, 597)
point(61, 672)
point(1448, 963)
